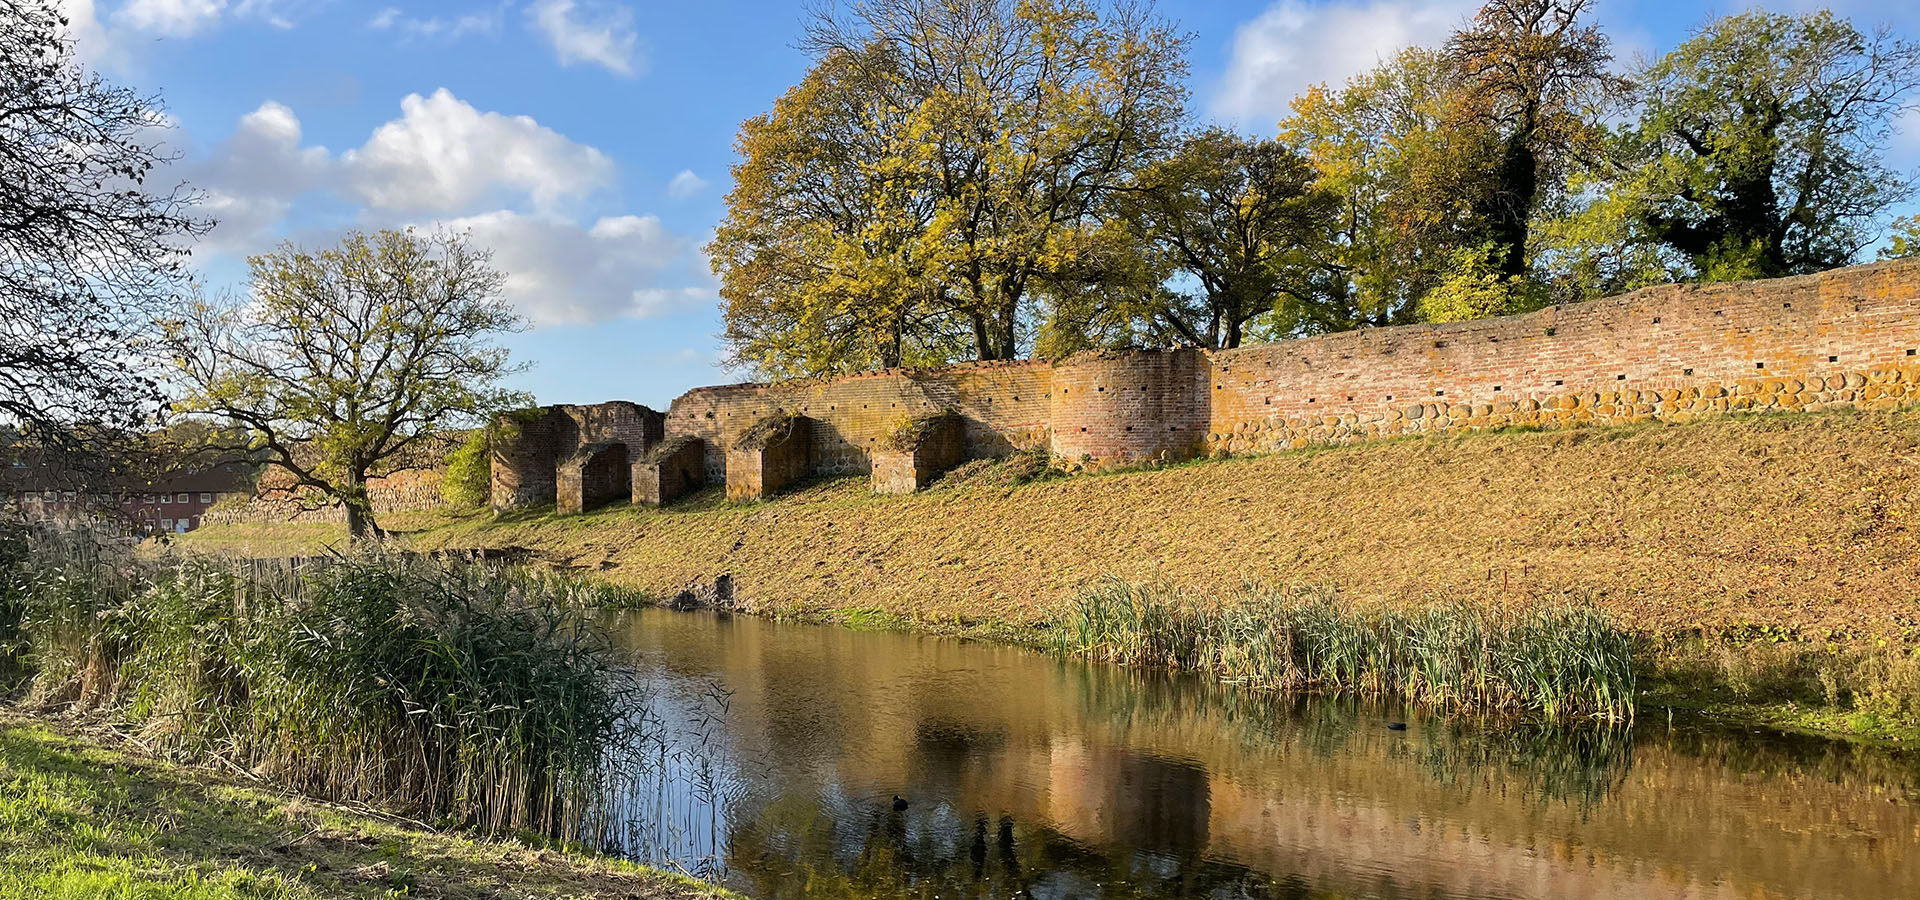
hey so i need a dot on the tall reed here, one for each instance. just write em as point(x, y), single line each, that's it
point(470, 694)
point(1559, 661)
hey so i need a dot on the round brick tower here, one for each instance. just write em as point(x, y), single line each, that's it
point(1115, 408)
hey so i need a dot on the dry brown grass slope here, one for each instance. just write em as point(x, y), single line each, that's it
point(1803, 521)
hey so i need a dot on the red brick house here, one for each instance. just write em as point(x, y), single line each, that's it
point(174, 502)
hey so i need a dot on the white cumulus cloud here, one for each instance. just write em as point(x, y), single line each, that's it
point(251, 179)
point(561, 273)
point(1294, 45)
point(599, 34)
point(442, 155)
point(173, 18)
point(506, 180)
point(685, 184)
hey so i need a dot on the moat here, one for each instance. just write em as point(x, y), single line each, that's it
point(805, 761)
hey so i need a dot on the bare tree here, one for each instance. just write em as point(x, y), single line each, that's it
point(88, 254)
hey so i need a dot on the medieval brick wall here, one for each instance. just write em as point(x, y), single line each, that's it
point(594, 475)
point(1851, 336)
point(937, 443)
point(1004, 407)
point(532, 445)
point(669, 471)
point(779, 452)
point(523, 460)
point(1117, 408)
point(1635, 355)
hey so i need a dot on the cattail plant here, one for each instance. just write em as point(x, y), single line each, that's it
point(471, 694)
point(1560, 660)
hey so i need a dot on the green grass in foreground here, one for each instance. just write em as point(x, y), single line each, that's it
point(78, 820)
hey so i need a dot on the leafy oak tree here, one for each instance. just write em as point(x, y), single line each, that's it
point(990, 132)
point(1532, 77)
point(1758, 152)
point(89, 254)
point(1447, 161)
point(1382, 146)
point(822, 259)
point(342, 362)
point(1243, 221)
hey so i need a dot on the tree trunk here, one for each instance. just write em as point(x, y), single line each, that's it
point(360, 521)
point(1514, 213)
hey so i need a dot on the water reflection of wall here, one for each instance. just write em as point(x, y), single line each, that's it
point(1119, 780)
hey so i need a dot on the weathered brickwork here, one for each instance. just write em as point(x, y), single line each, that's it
point(1662, 352)
point(594, 475)
point(1004, 406)
point(531, 446)
point(670, 471)
point(404, 491)
point(913, 458)
point(1113, 409)
point(769, 455)
point(1849, 336)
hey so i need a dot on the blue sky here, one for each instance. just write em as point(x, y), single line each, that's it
point(588, 141)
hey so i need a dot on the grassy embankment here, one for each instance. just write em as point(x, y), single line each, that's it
point(473, 697)
point(87, 816)
point(1769, 563)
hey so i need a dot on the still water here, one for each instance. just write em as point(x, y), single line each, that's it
point(784, 747)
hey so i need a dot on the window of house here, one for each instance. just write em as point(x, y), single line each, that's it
point(206, 497)
point(185, 498)
point(68, 496)
point(166, 524)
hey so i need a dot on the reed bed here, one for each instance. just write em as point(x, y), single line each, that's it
point(1560, 661)
point(467, 694)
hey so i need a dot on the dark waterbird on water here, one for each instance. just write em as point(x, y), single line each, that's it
point(899, 803)
point(1396, 726)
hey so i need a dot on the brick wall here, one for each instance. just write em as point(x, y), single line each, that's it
point(1116, 408)
point(406, 491)
point(669, 471)
point(531, 445)
point(937, 443)
point(1675, 351)
point(594, 475)
point(1635, 355)
point(1004, 406)
point(779, 454)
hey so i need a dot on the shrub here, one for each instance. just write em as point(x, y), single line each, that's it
point(468, 483)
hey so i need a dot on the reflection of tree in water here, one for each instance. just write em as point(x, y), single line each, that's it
point(1894, 773)
point(1055, 779)
point(934, 854)
point(1579, 766)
